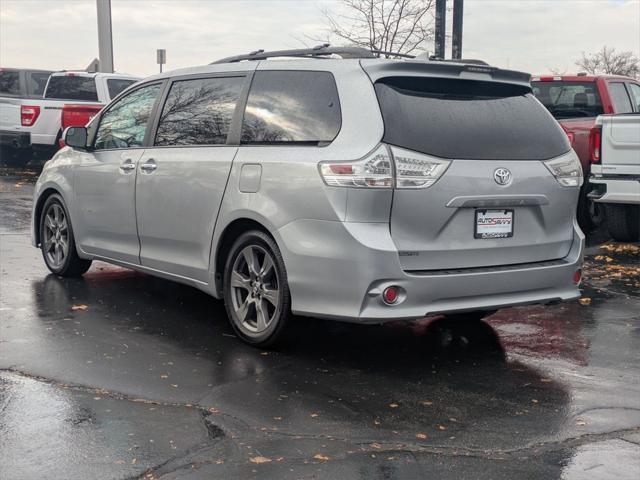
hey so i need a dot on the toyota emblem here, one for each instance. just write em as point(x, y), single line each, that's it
point(502, 176)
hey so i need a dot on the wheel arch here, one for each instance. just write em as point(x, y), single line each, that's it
point(37, 211)
point(226, 240)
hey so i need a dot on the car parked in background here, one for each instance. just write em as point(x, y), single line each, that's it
point(575, 101)
point(615, 173)
point(360, 189)
point(18, 88)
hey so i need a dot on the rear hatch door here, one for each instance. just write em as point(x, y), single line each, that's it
point(497, 203)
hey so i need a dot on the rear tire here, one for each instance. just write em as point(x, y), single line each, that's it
point(623, 222)
point(57, 242)
point(255, 289)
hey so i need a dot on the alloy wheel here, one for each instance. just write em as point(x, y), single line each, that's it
point(255, 289)
point(56, 236)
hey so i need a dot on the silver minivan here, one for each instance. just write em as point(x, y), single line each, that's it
point(359, 189)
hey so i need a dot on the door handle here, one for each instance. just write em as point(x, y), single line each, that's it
point(149, 166)
point(127, 166)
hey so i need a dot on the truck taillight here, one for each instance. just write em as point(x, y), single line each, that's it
point(29, 114)
point(595, 144)
point(570, 136)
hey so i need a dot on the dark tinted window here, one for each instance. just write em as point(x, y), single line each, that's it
point(125, 123)
point(569, 99)
point(634, 88)
point(620, 98)
point(117, 85)
point(467, 119)
point(199, 112)
point(36, 81)
point(72, 88)
point(286, 107)
point(9, 82)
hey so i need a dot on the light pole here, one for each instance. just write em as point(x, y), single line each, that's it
point(105, 41)
point(441, 15)
point(456, 40)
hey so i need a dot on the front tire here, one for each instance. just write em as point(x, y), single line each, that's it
point(57, 242)
point(256, 293)
point(623, 222)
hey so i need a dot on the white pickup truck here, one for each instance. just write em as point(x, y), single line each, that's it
point(615, 173)
point(38, 119)
point(18, 88)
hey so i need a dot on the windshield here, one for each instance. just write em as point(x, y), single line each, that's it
point(467, 119)
point(569, 99)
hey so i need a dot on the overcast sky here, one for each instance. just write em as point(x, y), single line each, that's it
point(529, 35)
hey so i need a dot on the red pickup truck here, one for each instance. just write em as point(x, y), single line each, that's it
point(575, 101)
point(77, 115)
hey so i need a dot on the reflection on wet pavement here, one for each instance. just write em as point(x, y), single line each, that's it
point(122, 375)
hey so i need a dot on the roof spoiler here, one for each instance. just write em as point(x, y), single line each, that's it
point(468, 71)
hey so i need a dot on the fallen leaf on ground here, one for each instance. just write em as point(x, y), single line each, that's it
point(585, 301)
point(376, 445)
point(426, 403)
point(314, 415)
point(319, 456)
point(393, 405)
point(421, 436)
point(76, 308)
point(441, 427)
point(259, 459)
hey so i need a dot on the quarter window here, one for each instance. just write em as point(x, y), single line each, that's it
point(292, 107)
point(125, 123)
point(199, 112)
point(620, 98)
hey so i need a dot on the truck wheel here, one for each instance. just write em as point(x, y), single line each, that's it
point(13, 157)
point(623, 222)
point(584, 212)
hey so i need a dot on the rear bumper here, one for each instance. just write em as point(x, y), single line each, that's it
point(615, 190)
point(339, 270)
point(15, 139)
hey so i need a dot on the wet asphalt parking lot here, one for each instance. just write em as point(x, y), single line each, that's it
point(120, 375)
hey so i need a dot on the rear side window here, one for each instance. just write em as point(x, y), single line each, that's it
point(9, 82)
point(117, 85)
point(36, 81)
point(64, 87)
point(467, 119)
point(569, 99)
point(620, 98)
point(287, 107)
point(635, 93)
point(199, 112)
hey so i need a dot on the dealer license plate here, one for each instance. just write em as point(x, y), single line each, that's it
point(493, 224)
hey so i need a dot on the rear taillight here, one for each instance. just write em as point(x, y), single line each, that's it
point(595, 144)
point(570, 136)
point(385, 167)
point(29, 114)
point(566, 169)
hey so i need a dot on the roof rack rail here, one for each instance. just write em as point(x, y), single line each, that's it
point(318, 51)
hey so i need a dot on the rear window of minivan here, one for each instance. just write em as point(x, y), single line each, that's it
point(468, 119)
point(67, 87)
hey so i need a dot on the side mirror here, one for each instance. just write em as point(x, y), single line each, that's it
point(75, 137)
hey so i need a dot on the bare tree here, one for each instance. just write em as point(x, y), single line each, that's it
point(609, 61)
point(400, 26)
